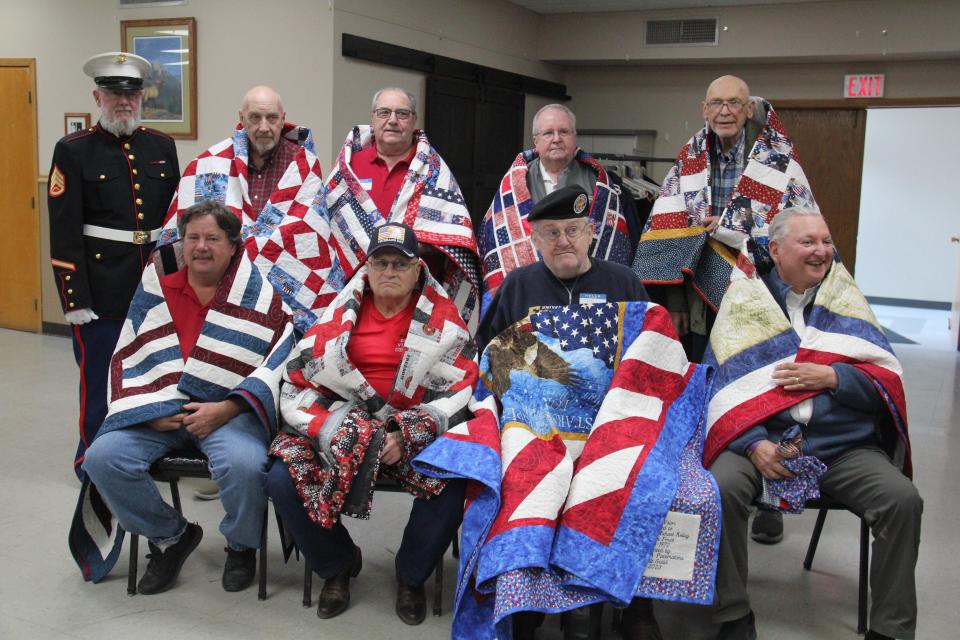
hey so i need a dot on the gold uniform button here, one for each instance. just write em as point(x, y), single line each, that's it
point(126, 145)
point(163, 175)
point(134, 171)
point(69, 291)
point(66, 278)
point(139, 201)
point(96, 257)
point(103, 177)
point(131, 156)
point(140, 216)
point(71, 305)
point(136, 186)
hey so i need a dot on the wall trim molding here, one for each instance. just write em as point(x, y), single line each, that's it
point(908, 302)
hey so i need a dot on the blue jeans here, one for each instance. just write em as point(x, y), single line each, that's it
point(118, 463)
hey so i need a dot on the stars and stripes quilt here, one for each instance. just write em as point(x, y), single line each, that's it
point(245, 340)
point(674, 244)
point(504, 238)
point(584, 466)
point(289, 239)
point(429, 201)
point(752, 335)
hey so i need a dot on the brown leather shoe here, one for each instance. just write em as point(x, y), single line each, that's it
point(411, 602)
point(335, 595)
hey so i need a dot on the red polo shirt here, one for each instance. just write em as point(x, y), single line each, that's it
point(376, 343)
point(185, 308)
point(385, 185)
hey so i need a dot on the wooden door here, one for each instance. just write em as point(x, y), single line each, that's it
point(20, 258)
point(478, 129)
point(829, 143)
point(955, 306)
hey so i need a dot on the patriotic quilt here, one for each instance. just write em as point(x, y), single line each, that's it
point(245, 340)
point(674, 244)
point(332, 416)
point(289, 239)
point(752, 335)
point(584, 466)
point(429, 201)
point(505, 242)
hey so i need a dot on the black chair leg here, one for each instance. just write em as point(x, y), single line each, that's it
point(438, 588)
point(815, 539)
point(307, 585)
point(175, 495)
point(262, 590)
point(132, 568)
point(864, 576)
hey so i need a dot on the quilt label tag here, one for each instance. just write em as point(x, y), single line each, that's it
point(676, 549)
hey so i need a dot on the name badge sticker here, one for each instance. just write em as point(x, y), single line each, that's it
point(593, 298)
point(366, 183)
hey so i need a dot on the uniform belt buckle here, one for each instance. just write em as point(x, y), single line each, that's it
point(141, 237)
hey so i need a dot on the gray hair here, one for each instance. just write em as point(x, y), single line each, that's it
point(778, 226)
point(227, 220)
point(410, 97)
point(559, 107)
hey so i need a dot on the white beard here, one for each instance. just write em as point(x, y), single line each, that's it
point(119, 128)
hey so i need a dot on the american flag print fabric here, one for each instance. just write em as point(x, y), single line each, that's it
point(429, 201)
point(584, 448)
point(752, 335)
point(674, 244)
point(505, 241)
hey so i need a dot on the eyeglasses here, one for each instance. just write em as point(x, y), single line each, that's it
point(572, 232)
point(559, 133)
point(400, 266)
point(384, 113)
point(735, 105)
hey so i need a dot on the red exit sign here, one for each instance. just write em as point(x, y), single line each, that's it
point(864, 85)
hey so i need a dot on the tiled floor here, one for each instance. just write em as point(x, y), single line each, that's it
point(43, 596)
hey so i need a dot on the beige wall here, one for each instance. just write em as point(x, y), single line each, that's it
point(813, 31)
point(237, 48)
point(493, 33)
point(667, 98)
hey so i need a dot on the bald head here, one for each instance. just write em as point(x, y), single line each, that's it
point(726, 108)
point(262, 116)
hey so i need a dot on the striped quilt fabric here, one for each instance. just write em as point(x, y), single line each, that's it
point(674, 244)
point(752, 335)
point(584, 465)
point(505, 242)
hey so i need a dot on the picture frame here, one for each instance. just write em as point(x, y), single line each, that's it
point(73, 122)
point(170, 92)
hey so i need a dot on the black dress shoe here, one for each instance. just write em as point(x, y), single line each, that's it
point(335, 595)
point(164, 566)
point(411, 601)
point(239, 570)
point(873, 635)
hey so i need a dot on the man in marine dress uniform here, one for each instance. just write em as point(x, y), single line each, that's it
point(110, 186)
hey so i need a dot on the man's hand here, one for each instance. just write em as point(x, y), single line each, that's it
point(681, 320)
point(768, 462)
point(710, 223)
point(805, 376)
point(167, 423)
point(206, 417)
point(392, 448)
point(80, 316)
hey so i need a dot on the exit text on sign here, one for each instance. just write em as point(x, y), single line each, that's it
point(864, 85)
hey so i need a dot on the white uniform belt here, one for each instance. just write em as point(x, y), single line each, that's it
point(120, 235)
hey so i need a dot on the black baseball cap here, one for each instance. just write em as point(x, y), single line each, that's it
point(564, 203)
point(395, 235)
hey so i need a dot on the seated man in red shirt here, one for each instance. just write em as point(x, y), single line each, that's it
point(387, 368)
point(197, 365)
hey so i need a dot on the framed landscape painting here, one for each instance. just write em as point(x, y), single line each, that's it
point(170, 91)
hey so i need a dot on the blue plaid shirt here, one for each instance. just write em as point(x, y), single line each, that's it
point(725, 173)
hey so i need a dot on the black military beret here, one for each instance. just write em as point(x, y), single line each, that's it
point(567, 202)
